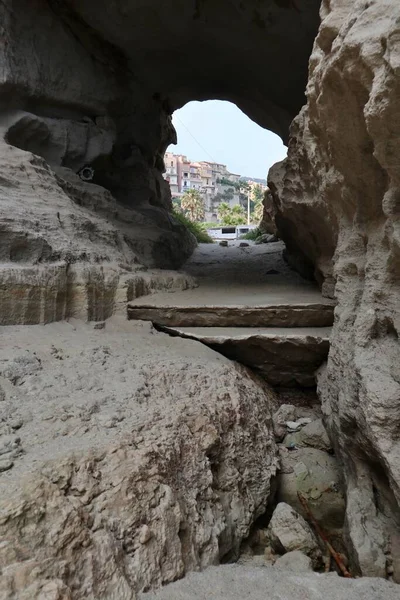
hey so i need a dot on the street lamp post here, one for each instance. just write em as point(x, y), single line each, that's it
point(248, 207)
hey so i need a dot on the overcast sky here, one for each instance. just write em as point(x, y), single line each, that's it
point(220, 132)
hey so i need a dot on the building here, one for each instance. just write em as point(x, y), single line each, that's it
point(171, 172)
point(212, 180)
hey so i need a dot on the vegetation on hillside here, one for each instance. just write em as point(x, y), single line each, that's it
point(234, 215)
point(198, 229)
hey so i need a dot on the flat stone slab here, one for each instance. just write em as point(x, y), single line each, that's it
point(316, 314)
point(234, 582)
point(283, 356)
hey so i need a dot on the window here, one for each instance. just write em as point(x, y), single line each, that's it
point(172, 163)
point(186, 174)
point(228, 230)
point(184, 183)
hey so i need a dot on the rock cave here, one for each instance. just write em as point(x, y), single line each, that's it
point(128, 457)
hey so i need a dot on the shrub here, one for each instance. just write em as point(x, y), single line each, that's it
point(198, 229)
point(253, 234)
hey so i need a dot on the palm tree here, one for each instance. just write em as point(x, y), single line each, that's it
point(192, 204)
point(234, 215)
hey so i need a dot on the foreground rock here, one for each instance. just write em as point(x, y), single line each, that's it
point(184, 314)
point(282, 356)
point(295, 561)
point(288, 531)
point(342, 182)
point(134, 458)
point(318, 476)
point(237, 582)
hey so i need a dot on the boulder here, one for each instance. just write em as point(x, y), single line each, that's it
point(312, 434)
point(295, 561)
point(139, 457)
point(266, 238)
point(286, 412)
point(288, 531)
point(318, 476)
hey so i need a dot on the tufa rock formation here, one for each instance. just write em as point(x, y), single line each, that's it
point(87, 93)
point(84, 127)
point(337, 198)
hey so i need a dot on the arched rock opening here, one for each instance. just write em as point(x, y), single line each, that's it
point(104, 95)
point(80, 71)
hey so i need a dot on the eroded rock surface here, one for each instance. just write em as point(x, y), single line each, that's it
point(85, 119)
point(134, 458)
point(283, 357)
point(288, 531)
point(337, 199)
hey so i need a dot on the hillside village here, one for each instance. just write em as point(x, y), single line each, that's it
point(214, 182)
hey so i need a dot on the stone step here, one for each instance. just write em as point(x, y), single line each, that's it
point(282, 356)
point(307, 314)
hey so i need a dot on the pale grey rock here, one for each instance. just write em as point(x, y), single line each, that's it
point(341, 181)
point(175, 483)
point(318, 476)
point(313, 434)
point(286, 412)
point(266, 238)
point(295, 561)
point(288, 531)
point(234, 582)
point(282, 356)
point(293, 426)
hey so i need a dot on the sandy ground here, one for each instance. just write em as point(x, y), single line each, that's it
point(234, 582)
point(253, 275)
point(69, 386)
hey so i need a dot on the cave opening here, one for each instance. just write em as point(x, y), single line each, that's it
point(221, 157)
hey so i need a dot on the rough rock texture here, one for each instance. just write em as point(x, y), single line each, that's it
point(285, 413)
point(282, 357)
point(267, 224)
point(316, 314)
point(236, 582)
point(318, 476)
point(295, 561)
point(85, 118)
point(288, 531)
point(134, 457)
point(59, 233)
point(47, 293)
point(339, 205)
point(313, 434)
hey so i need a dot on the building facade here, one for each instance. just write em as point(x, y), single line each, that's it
point(212, 180)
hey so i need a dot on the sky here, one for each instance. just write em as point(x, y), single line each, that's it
point(220, 132)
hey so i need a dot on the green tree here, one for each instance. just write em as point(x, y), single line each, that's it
point(192, 205)
point(234, 215)
point(257, 193)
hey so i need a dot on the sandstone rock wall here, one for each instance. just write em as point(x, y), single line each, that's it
point(338, 206)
